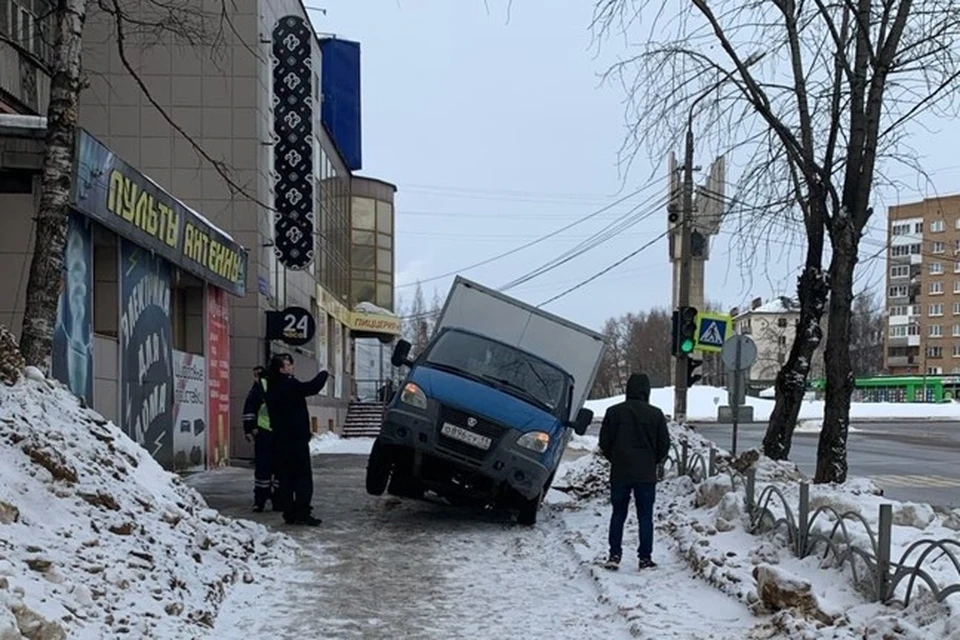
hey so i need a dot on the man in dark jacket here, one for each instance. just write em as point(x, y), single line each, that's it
point(256, 427)
point(635, 439)
point(287, 405)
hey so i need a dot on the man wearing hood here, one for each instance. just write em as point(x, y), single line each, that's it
point(635, 439)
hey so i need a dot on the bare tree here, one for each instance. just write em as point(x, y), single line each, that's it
point(180, 22)
point(609, 380)
point(419, 322)
point(43, 286)
point(813, 98)
point(866, 334)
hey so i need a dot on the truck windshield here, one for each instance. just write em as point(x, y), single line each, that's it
point(516, 372)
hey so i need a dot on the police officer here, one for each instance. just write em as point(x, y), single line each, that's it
point(287, 401)
point(256, 427)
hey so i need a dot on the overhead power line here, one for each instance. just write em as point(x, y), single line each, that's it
point(607, 269)
point(532, 243)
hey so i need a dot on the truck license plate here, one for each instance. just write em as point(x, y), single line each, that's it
point(471, 438)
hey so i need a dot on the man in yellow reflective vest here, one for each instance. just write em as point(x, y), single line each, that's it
point(256, 427)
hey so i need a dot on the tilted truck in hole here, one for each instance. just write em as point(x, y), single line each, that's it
point(487, 409)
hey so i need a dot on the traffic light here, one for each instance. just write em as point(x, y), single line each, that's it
point(684, 333)
point(692, 378)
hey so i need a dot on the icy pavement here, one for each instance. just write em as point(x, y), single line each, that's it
point(381, 567)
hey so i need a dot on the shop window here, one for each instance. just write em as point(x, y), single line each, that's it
point(384, 241)
point(106, 282)
point(364, 291)
point(363, 237)
point(186, 313)
point(385, 295)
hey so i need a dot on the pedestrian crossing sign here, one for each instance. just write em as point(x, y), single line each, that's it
point(712, 331)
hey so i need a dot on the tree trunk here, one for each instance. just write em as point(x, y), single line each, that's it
point(791, 383)
point(832, 450)
point(43, 287)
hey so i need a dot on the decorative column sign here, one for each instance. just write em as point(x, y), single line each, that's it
point(293, 142)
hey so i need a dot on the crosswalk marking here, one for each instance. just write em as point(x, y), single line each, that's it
point(916, 481)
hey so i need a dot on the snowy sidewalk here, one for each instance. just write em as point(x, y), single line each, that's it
point(381, 567)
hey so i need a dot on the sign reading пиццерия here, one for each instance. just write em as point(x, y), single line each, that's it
point(110, 191)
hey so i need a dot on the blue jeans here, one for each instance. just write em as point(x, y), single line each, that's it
point(644, 494)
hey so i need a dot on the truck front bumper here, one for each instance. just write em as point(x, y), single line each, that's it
point(504, 464)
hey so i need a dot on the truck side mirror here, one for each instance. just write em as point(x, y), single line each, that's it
point(401, 354)
point(584, 420)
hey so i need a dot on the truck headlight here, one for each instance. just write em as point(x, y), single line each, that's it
point(413, 396)
point(535, 441)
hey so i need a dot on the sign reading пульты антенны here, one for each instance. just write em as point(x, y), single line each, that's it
point(712, 330)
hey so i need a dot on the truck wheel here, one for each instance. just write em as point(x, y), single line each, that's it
point(378, 470)
point(528, 511)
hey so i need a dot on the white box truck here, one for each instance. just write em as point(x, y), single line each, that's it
point(487, 409)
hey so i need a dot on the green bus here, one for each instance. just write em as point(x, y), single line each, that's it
point(901, 388)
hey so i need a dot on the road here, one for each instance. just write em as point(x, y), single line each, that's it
point(916, 462)
point(382, 567)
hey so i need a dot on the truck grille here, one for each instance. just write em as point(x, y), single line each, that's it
point(483, 427)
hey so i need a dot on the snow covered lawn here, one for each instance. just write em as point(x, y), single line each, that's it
point(99, 541)
point(703, 402)
point(703, 530)
point(329, 442)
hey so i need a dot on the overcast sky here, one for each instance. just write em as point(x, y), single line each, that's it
point(496, 133)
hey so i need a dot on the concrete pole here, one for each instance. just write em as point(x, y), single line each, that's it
point(686, 262)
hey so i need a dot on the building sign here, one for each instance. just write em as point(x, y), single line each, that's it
point(189, 412)
point(218, 379)
point(293, 142)
point(294, 326)
point(375, 323)
point(146, 352)
point(124, 200)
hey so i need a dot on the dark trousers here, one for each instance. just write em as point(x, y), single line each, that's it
point(644, 493)
point(263, 473)
point(296, 482)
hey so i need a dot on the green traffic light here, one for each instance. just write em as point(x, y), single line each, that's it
point(687, 346)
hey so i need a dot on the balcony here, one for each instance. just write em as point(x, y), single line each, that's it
point(900, 361)
point(23, 77)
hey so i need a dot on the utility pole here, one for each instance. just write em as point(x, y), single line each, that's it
point(686, 262)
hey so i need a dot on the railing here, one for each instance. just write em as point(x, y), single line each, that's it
point(868, 556)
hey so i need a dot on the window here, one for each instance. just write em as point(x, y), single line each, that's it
point(916, 249)
point(898, 331)
point(956, 286)
point(900, 250)
point(956, 351)
point(918, 227)
point(936, 331)
point(956, 224)
point(936, 268)
point(900, 291)
point(935, 371)
point(938, 247)
point(904, 229)
point(934, 352)
point(936, 288)
point(914, 310)
point(956, 330)
point(898, 311)
point(936, 309)
point(901, 271)
point(938, 226)
point(106, 278)
point(956, 246)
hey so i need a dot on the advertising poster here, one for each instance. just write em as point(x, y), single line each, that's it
point(218, 379)
point(189, 412)
point(146, 352)
point(72, 356)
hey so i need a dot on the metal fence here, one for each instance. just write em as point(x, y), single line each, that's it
point(868, 557)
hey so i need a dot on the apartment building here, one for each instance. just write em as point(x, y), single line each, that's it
point(923, 287)
point(772, 326)
point(252, 122)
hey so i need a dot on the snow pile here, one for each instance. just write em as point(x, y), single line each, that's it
point(98, 540)
point(329, 442)
point(369, 307)
point(703, 402)
point(707, 526)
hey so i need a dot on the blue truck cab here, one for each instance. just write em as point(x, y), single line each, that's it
point(478, 420)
